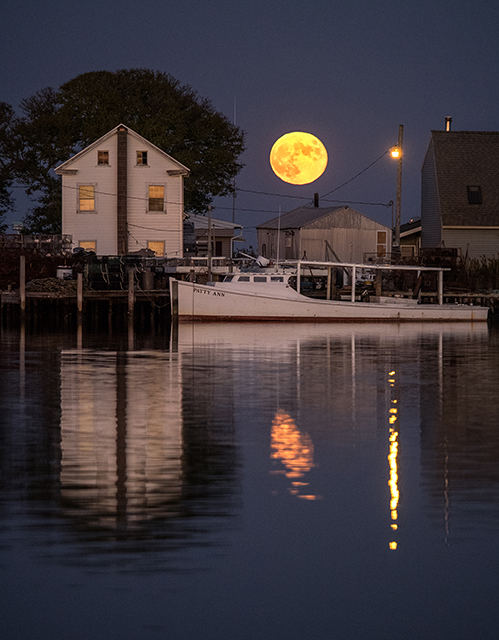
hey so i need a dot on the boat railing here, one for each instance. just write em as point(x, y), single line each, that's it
point(355, 268)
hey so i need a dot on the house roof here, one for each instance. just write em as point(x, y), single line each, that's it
point(304, 216)
point(467, 159)
point(411, 227)
point(201, 222)
point(98, 143)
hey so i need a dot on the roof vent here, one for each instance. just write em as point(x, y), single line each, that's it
point(448, 121)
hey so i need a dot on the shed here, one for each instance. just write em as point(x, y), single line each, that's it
point(319, 233)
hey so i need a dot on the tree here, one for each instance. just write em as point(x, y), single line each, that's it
point(58, 123)
point(6, 200)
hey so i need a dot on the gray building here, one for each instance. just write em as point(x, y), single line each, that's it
point(460, 192)
point(323, 233)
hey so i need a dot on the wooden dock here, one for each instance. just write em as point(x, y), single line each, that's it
point(97, 309)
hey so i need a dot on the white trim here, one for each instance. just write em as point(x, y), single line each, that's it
point(98, 143)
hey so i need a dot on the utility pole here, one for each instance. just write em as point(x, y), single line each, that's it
point(398, 201)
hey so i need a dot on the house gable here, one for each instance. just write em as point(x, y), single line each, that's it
point(464, 160)
point(106, 140)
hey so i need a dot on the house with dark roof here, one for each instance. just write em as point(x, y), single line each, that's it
point(460, 192)
point(410, 237)
point(323, 233)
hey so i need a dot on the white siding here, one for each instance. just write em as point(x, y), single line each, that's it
point(145, 226)
point(477, 242)
point(100, 225)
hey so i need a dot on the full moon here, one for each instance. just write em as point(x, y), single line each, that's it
point(298, 158)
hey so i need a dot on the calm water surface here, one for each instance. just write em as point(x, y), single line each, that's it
point(254, 481)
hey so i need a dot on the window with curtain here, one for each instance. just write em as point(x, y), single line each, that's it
point(156, 198)
point(86, 196)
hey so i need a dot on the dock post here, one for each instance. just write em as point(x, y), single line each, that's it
point(354, 275)
point(79, 292)
point(440, 287)
point(131, 292)
point(328, 294)
point(378, 282)
point(22, 286)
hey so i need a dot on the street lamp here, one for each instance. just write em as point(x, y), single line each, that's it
point(397, 153)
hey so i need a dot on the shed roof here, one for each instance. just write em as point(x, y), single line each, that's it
point(298, 218)
point(467, 159)
point(305, 216)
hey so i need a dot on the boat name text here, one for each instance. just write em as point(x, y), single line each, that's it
point(210, 293)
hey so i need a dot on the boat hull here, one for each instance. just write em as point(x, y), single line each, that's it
point(197, 302)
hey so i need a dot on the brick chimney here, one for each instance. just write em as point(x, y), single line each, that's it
point(122, 191)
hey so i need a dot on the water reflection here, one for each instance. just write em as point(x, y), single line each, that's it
point(136, 450)
point(295, 453)
point(121, 438)
point(373, 386)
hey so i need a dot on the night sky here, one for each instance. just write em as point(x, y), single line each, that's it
point(350, 73)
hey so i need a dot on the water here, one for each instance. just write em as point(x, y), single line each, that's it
point(254, 481)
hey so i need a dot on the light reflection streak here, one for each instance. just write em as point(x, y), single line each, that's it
point(393, 461)
point(295, 451)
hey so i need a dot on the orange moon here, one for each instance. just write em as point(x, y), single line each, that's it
point(298, 158)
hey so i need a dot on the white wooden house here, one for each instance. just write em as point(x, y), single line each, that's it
point(122, 194)
point(323, 233)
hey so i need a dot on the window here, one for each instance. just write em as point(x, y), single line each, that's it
point(141, 157)
point(381, 238)
point(156, 198)
point(260, 279)
point(88, 245)
point(474, 195)
point(86, 195)
point(102, 157)
point(157, 246)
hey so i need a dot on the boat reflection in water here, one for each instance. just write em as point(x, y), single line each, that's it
point(387, 388)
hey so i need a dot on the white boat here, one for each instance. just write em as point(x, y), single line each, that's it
point(270, 297)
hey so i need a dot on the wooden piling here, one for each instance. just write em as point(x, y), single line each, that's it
point(131, 292)
point(22, 285)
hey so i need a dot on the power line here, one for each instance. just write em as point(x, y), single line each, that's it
point(359, 174)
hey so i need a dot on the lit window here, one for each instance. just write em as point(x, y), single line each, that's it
point(157, 246)
point(156, 198)
point(102, 157)
point(142, 157)
point(474, 195)
point(86, 193)
point(88, 245)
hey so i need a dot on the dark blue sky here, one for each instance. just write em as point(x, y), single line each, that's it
point(349, 73)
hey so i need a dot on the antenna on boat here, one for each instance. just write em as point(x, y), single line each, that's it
point(278, 238)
